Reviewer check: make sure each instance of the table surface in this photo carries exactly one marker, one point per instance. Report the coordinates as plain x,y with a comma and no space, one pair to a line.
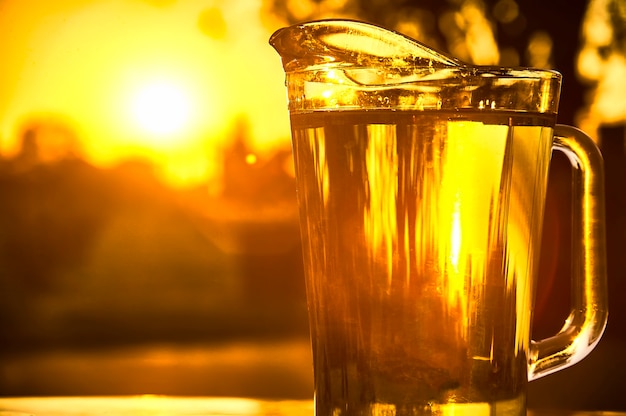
171,406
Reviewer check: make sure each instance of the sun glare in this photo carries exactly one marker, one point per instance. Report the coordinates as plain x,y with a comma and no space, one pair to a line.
161,108
167,96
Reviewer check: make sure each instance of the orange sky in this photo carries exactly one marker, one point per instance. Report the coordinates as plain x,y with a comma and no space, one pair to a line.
166,79
157,78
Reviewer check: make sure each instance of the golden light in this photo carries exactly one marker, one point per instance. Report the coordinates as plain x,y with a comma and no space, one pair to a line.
149,404
251,159
161,108
162,81
602,63
381,162
479,35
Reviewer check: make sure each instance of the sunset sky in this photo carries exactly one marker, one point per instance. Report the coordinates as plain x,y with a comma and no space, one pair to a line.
159,79
167,80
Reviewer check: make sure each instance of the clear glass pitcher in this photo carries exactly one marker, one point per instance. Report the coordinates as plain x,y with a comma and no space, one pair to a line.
421,185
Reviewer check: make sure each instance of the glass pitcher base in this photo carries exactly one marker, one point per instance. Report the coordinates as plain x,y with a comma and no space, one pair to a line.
512,407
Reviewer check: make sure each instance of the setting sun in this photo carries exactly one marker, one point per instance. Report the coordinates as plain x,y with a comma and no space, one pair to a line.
130,89
161,108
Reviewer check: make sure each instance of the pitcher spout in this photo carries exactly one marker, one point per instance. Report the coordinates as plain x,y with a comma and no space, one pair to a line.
353,43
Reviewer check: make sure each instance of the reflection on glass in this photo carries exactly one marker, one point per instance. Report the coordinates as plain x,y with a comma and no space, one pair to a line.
433,222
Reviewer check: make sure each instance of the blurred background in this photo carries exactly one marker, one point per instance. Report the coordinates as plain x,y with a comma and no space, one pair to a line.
149,241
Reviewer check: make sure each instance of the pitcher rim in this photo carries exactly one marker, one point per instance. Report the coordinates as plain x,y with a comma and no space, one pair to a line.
461,67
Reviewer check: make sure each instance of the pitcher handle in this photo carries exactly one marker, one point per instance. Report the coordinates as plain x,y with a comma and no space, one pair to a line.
589,303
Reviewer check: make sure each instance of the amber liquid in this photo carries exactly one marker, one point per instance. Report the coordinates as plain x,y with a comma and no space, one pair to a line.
421,234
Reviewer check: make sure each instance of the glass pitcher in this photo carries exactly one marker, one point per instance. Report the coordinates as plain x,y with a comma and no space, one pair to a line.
421,186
